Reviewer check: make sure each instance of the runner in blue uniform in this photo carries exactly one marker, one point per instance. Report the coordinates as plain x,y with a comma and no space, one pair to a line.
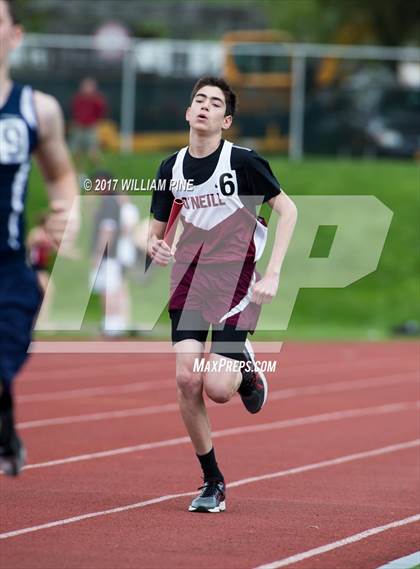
30,123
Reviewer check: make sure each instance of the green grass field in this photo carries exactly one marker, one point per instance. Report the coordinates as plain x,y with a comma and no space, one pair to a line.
368,308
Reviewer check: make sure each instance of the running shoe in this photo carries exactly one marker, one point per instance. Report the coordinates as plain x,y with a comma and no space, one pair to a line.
211,498
12,451
253,389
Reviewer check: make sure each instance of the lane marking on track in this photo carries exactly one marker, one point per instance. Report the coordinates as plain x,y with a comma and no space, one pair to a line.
139,386
106,415
95,391
305,468
57,374
287,393
121,347
262,427
337,544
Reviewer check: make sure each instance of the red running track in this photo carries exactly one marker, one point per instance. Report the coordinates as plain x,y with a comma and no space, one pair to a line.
333,454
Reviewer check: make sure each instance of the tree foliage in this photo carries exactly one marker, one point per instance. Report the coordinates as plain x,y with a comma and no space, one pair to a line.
383,22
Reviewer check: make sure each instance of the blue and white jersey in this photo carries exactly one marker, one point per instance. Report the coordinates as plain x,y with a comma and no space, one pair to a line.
18,139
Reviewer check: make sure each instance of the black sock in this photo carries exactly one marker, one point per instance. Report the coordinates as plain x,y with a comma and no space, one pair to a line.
209,466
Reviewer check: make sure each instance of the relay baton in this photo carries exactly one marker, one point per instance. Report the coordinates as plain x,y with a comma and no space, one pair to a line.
172,224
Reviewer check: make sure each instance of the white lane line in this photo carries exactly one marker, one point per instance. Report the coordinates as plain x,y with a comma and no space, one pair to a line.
332,462
407,562
106,415
288,423
82,517
338,367
152,385
349,385
287,393
337,544
59,372
305,468
95,391
122,347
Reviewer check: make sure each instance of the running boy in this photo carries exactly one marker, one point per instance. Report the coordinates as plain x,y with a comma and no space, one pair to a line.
213,281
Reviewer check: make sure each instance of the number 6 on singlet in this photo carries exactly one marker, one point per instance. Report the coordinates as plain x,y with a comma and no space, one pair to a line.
227,185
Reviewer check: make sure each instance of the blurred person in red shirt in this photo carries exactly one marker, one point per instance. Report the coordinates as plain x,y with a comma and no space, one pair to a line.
88,108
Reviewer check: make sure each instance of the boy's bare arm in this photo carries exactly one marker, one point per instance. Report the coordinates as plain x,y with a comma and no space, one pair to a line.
54,161
266,289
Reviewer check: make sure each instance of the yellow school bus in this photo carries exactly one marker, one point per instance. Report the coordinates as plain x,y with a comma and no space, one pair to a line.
260,71
263,83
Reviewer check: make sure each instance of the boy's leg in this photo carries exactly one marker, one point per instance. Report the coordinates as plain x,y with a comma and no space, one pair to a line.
235,370
221,384
194,414
226,353
190,395
12,451
189,338
19,301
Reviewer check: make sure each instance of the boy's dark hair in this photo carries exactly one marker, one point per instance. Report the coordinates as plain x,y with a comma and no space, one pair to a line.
223,85
13,7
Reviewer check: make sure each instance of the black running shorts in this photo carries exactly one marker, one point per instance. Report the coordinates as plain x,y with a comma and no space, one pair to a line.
226,340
